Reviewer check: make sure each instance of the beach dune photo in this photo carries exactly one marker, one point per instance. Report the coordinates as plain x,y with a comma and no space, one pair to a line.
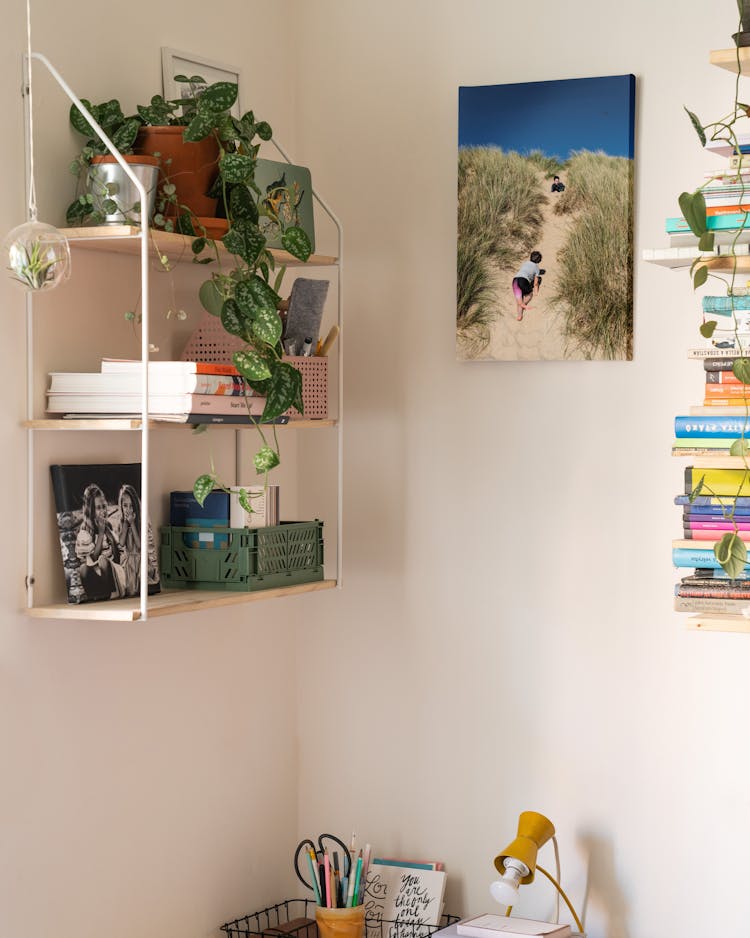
545,221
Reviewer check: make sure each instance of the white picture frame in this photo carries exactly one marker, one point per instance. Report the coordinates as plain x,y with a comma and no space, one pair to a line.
174,62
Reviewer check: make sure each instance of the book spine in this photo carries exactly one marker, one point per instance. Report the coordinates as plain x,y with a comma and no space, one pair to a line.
723,427
723,376
712,501
701,593
696,557
237,418
719,364
689,535
720,389
701,451
709,604
723,482
716,223
720,304
224,385
219,404
713,352
710,512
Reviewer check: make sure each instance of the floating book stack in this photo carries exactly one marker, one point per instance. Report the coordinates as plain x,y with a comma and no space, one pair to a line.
181,392
714,431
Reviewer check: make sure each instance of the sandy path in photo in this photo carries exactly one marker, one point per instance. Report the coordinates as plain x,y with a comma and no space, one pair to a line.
539,335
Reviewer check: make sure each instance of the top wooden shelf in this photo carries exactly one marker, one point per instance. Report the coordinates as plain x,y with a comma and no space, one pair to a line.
124,239
727,58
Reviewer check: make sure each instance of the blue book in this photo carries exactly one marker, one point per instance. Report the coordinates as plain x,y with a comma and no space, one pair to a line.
725,304
729,428
713,223
742,501
697,557
183,506
707,512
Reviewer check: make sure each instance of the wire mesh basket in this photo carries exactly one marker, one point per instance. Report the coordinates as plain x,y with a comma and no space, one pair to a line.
296,918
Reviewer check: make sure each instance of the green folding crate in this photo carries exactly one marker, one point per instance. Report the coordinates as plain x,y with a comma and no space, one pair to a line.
242,559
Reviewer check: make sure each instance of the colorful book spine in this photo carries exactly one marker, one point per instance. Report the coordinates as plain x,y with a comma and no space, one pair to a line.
723,376
736,220
712,365
697,557
718,427
724,304
712,501
708,604
707,512
726,482
722,389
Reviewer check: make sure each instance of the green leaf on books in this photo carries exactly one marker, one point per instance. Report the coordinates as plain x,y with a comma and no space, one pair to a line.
741,370
244,500
697,126
696,491
265,459
706,242
699,278
250,365
285,390
707,328
731,554
693,208
267,326
739,447
202,487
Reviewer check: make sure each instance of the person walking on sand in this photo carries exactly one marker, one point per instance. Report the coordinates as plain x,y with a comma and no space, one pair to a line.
557,186
526,283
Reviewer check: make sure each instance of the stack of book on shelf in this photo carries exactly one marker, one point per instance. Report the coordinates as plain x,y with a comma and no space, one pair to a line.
722,503
727,195
180,392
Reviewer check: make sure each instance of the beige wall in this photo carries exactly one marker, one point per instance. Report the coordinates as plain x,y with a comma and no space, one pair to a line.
505,638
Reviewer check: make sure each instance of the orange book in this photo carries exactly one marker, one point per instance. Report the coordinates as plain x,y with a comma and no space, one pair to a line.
730,389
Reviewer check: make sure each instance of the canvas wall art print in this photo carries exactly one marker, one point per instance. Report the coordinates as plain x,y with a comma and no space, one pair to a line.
545,220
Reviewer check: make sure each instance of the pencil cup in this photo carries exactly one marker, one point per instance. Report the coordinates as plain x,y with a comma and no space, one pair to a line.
340,923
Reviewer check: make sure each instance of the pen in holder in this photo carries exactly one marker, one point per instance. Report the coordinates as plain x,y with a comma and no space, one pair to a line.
340,923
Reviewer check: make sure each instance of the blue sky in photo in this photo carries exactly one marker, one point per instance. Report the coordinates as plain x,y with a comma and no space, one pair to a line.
555,117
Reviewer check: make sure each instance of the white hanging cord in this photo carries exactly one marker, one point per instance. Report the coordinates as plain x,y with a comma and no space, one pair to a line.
32,187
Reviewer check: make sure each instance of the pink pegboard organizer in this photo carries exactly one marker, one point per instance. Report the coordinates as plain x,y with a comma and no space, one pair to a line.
212,343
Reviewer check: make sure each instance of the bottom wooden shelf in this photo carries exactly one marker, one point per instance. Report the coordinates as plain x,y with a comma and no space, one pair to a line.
168,603
719,623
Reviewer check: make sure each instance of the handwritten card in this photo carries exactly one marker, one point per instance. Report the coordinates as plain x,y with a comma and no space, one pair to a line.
398,894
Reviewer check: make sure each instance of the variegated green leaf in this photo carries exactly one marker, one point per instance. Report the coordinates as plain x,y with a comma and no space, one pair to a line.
296,241
245,297
231,318
739,447
267,326
235,168
244,500
78,121
242,204
218,97
265,459
250,365
263,130
198,128
202,487
124,137
284,392
697,126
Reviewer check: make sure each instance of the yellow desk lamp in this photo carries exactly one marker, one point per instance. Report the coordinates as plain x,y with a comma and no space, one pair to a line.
517,862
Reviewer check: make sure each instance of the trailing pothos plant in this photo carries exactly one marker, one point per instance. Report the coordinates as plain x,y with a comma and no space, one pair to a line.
731,550
246,297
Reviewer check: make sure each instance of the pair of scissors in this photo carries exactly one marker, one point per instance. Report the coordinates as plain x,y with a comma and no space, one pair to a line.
309,847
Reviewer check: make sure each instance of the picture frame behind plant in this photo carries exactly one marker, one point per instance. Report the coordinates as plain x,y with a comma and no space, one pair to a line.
174,62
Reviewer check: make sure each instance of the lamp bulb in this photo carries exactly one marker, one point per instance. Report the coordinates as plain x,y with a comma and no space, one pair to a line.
505,889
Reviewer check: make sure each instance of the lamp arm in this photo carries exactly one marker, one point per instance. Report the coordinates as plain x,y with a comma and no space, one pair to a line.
558,887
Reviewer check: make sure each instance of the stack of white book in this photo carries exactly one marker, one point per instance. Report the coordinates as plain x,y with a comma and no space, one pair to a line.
184,392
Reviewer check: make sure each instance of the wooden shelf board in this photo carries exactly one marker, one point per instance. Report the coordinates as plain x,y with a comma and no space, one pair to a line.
718,264
127,423
124,239
718,623
168,603
727,58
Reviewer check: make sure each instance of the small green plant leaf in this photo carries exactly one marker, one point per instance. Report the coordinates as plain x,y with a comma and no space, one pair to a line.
731,553
263,130
262,293
245,239
696,491
284,392
693,208
218,97
124,137
741,370
200,428
250,365
698,127
197,246
244,499
296,241
211,298
78,121
700,277
707,328
198,128
706,241
236,168
242,205
739,447
245,297
202,487
267,326
231,318
265,459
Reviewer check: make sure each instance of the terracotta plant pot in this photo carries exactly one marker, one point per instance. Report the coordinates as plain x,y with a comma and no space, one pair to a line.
106,172
192,168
